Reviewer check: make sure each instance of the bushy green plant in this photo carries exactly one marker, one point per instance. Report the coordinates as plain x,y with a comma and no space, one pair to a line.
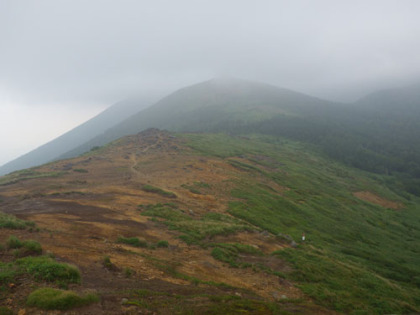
229,252
128,272
80,170
13,242
7,272
54,299
8,221
46,268
162,243
5,311
106,261
133,241
159,191
29,247
194,230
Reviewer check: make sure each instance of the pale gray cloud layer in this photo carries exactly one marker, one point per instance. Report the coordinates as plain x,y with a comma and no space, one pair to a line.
91,52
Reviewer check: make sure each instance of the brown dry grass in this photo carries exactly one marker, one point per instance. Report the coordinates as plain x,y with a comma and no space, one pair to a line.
371,197
81,215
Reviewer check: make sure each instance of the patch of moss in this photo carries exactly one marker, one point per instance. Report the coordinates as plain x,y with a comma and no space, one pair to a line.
159,191
133,241
54,299
8,221
46,268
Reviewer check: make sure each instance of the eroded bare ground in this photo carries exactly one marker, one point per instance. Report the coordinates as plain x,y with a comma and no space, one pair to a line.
377,200
82,213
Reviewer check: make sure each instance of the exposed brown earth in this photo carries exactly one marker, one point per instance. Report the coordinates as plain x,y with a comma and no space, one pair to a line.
82,212
371,197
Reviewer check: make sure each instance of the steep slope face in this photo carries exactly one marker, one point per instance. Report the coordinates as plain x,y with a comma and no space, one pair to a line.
77,136
230,210
210,106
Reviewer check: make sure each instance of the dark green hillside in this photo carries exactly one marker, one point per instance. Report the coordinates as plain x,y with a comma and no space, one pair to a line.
379,134
359,257
210,106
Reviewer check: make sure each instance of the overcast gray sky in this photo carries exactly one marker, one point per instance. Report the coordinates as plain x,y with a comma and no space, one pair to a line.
63,61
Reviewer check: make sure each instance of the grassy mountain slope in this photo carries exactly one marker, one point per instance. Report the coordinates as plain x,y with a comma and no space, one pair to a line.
209,223
379,133
211,105
77,136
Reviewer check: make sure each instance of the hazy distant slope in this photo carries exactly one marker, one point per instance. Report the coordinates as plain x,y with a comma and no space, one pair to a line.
398,103
77,136
207,105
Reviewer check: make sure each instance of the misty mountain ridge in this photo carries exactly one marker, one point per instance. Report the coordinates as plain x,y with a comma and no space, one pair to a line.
77,136
401,102
207,105
378,133
223,207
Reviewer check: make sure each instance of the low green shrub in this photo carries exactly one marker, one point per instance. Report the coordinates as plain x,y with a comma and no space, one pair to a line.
194,230
107,263
54,299
159,191
5,311
46,268
7,273
13,242
8,221
32,247
229,253
162,243
128,272
28,248
80,170
133,241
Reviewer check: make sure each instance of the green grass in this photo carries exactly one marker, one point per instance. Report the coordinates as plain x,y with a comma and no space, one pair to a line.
356,254
162,244
229,253
13,242
107,263
157,301
7,273
194,231
159,191
54,299
244,166
47,269
347,287
28,174
196,187
133,241
8,221
191,189
5,311
80,170
23,248
128,272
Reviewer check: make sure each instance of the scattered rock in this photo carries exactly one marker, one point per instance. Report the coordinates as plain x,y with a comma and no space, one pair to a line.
276,295
293,244
265,233
124,301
